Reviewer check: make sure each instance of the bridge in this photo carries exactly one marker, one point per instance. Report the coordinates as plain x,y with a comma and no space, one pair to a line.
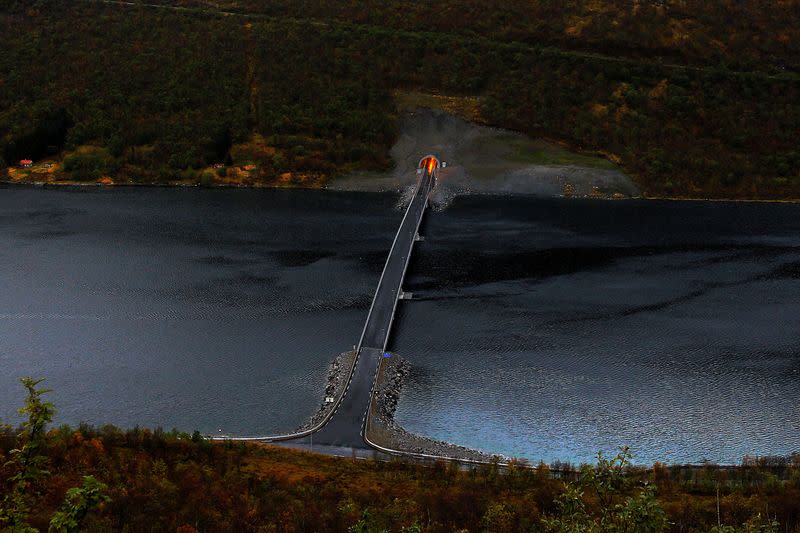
343,430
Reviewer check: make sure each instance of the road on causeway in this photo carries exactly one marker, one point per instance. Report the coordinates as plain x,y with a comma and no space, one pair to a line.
345,428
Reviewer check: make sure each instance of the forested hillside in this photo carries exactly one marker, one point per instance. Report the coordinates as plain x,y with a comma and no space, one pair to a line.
760,35
692,99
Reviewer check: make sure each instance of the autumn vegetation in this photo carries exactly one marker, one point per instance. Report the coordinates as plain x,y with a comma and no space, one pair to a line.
692,98
107,479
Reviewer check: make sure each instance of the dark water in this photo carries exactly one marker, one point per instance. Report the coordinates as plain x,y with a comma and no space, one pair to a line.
546,329
194,309
551,330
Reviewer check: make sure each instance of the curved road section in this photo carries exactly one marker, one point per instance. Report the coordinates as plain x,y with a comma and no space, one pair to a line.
343,432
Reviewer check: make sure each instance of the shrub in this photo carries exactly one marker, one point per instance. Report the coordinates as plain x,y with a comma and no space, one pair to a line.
89,163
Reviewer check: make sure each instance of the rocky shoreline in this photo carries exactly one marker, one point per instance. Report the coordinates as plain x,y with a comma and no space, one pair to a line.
335,382
384,431
382,428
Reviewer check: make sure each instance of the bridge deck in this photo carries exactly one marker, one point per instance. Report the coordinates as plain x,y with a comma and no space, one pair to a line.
345,428
381,314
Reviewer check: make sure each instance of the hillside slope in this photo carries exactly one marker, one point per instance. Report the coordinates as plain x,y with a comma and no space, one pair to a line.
692,100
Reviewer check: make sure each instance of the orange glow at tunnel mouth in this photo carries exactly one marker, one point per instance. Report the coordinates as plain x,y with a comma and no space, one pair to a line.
429,164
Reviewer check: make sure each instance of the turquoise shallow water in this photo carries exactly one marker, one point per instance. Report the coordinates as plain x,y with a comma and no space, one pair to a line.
546,329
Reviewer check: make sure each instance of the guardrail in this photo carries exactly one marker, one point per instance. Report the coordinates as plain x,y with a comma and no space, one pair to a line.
416,455
326,419
305,432
386,265
408,257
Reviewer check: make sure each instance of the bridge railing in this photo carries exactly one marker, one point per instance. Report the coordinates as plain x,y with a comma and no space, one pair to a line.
340,396
305,432
423,183
385,265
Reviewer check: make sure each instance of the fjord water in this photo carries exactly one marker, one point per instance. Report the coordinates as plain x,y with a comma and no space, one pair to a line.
554,329
195,309
541,328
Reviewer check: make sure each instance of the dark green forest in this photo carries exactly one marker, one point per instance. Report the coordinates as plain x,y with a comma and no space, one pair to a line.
692,100
756,35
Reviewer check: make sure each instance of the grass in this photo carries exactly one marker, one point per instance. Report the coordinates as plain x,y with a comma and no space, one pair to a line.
523,150
514,148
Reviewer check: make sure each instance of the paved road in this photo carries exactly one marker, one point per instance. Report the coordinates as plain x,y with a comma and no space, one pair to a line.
345,428
379,320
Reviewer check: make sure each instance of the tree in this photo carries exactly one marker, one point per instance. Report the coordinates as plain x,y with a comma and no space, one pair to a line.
29,462
27,459
754,525
607,480
78,502
497,518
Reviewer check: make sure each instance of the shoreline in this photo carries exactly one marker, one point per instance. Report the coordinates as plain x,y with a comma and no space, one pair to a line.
644,197
384,432
335,379
484,159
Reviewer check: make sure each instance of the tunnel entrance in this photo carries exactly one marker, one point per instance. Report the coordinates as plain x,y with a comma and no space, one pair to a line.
430,163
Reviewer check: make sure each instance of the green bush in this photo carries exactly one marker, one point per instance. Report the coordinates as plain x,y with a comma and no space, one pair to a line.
89,163
207,178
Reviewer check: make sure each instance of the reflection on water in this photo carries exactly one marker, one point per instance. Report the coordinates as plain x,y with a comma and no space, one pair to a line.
544,328
573,327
